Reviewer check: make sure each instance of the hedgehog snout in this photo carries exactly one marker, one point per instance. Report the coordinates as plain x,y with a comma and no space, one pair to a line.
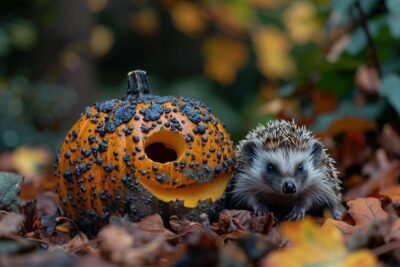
289,187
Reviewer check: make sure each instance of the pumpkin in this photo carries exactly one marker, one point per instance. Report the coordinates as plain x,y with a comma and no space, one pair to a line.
144,154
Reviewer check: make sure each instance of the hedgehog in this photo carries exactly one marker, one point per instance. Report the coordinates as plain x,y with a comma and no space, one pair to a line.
283,168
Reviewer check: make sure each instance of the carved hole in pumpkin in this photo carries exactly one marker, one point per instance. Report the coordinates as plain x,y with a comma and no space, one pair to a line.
165,146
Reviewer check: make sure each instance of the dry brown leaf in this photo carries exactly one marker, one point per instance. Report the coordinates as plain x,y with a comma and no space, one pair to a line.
243,220
114,241
392,192
385,178
354,150
149,228
323,101
364,212
80,245
10,223
120,246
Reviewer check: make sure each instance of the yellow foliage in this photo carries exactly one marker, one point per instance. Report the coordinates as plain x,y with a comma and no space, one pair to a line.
272,48
317,246
101,40
224,57
29,161
188,17
301,22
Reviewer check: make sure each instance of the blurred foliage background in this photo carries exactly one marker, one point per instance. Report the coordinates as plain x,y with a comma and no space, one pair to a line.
331,65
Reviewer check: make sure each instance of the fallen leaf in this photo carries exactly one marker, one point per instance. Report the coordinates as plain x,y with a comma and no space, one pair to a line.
323,101
10,223
354,150
243,220
119,245
364,212
200,250
31,222
384,178
316,246
392,192
149,228
80,245
184,227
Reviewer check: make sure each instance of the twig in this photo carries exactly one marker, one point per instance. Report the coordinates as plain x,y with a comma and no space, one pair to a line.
371,44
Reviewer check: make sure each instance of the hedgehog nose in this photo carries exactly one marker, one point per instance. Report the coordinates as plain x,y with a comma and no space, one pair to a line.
289,188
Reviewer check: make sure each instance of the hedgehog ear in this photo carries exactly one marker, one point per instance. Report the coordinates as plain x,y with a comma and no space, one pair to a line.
316,152
249,149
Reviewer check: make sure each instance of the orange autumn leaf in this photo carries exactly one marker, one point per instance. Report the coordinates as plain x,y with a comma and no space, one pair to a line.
393,192
316,246
272,48
364,212
224,58
324,101
350,124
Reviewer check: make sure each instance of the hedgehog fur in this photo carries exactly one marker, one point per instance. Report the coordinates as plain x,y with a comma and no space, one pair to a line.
282,167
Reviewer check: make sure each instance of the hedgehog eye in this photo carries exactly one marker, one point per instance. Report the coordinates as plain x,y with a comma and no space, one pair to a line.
270,167
300,167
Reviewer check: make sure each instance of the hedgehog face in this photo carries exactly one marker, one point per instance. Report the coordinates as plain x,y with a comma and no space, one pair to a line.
282,170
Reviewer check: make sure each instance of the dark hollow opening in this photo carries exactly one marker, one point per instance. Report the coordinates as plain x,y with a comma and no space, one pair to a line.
158,152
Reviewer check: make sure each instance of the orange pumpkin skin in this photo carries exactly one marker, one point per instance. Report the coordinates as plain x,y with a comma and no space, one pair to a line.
141,155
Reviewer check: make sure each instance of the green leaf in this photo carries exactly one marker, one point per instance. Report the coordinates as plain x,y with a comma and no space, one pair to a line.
393,6
22,34
393,22
342,6
359,39
391,90
4,43
10,187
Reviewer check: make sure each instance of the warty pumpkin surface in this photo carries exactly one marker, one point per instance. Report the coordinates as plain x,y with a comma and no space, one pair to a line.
144,154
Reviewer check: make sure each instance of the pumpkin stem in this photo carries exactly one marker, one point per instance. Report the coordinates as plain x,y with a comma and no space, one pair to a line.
138,83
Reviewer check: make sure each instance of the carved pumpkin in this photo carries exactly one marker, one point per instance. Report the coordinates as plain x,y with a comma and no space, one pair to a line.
143,154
